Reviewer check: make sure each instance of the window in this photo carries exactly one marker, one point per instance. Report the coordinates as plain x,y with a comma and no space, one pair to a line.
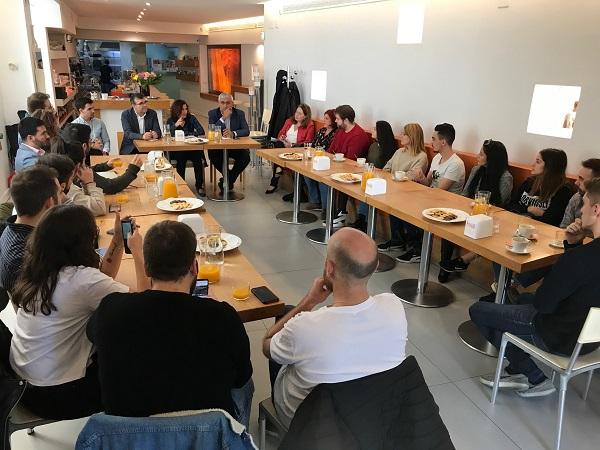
553,110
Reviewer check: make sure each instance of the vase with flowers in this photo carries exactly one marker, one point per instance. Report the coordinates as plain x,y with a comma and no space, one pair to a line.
145,80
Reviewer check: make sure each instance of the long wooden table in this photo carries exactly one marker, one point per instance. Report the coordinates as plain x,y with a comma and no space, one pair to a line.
235,269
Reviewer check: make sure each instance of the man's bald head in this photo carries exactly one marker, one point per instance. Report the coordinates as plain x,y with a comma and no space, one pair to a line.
353,253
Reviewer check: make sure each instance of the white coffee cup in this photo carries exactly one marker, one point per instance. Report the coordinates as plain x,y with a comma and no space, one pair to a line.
361,161
399,175
526,230
339,156
520,244
104,96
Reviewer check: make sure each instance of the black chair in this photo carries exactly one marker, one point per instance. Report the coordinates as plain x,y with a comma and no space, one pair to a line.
21,113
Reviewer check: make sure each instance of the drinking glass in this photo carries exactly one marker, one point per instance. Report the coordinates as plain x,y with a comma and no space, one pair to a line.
217,133
559,236
117,162
211,245
482,202
151,179
367,174
241,291
319,150
121,198
169,188
208,271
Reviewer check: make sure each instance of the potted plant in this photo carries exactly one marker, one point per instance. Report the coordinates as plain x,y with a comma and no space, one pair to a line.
145,79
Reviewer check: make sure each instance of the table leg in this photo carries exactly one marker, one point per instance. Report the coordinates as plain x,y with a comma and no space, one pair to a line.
423,292
386,262
468,331
296,217
226,196
321,235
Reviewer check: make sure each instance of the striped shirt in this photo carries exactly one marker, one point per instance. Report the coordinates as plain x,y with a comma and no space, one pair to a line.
12,249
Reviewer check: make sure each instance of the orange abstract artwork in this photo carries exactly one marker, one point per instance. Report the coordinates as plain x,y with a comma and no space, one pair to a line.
224,67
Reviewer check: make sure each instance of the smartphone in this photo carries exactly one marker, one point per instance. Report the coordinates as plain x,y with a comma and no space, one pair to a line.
126,229
201,289
264,294
101,251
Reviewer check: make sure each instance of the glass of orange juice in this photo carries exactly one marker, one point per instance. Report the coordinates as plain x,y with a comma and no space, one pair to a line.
241,291
482,202
211,272
367,174
121,198
117,162
169,189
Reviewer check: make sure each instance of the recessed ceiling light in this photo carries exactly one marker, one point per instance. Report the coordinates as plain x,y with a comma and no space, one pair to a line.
145,9
148,4
142,13
138,19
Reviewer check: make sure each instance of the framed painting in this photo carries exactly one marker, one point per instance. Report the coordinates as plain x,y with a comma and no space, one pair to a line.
224,67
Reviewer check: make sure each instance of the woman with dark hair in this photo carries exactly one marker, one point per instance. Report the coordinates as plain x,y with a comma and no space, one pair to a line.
490,174
61,284
182,119
296,131
384,146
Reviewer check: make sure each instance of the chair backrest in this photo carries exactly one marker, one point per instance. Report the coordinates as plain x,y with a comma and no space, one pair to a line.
119,139
591,328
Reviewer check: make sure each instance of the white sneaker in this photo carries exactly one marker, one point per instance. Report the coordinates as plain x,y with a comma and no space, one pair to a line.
337,221
546,387
518,381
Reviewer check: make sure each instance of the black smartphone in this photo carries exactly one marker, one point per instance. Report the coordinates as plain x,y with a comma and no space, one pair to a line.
264,294
201,289
126,229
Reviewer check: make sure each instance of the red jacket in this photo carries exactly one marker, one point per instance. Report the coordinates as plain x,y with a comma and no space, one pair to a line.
354,144
305,134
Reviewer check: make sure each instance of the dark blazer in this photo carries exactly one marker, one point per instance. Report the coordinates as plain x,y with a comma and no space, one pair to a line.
131,128
237,121
391,409
191,127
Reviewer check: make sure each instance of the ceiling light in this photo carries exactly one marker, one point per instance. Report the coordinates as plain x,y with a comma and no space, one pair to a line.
138,19
247,22
148,4
145,9
142,13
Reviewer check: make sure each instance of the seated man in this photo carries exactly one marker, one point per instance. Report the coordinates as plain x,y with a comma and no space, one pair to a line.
33,191
139,122
179,352
99,140
33,137
358,335
233,125
551,318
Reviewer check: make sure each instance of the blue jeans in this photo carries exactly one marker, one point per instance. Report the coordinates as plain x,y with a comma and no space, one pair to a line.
493,319
412,235
242,402
314,194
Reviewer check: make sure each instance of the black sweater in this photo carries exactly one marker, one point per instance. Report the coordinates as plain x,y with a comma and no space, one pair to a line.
163,351
554,208
566,296
113,185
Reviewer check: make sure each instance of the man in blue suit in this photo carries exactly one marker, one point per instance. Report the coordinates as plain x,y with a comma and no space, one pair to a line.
139,122
33,137
233,125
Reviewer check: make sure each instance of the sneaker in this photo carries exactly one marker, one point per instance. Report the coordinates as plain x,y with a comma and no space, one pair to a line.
390,245
443,276
507,381
312,207
337,221
460,265
409,257
542,389
201,192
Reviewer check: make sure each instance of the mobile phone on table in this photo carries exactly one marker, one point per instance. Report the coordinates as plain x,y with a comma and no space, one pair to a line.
126,229
264,294
201,288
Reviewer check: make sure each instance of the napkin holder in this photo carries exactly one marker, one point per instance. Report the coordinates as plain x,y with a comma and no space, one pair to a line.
479,226
321,163
194,221
376,186
179,136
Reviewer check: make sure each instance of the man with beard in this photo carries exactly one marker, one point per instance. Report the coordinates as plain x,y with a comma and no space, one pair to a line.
358,335
178,352
33,137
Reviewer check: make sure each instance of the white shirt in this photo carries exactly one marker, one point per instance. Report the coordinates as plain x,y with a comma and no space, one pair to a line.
292,134
54,349
336,344
452,169
141,123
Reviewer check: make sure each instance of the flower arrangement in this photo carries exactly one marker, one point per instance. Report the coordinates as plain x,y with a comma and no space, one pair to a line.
146,79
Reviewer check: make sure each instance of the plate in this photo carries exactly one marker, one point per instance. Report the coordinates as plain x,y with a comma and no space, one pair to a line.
557,244
510,249
111,174
431,214
338,160
291,156
166,205
167,166
344,177
195,140
232,242
400,179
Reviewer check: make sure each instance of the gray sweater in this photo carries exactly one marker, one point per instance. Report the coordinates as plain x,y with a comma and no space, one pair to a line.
506,185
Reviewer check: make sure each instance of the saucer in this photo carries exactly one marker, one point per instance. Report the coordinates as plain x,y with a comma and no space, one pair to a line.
556,244
510,249
338,160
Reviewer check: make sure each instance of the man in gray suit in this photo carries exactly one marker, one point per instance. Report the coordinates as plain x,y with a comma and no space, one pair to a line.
139,122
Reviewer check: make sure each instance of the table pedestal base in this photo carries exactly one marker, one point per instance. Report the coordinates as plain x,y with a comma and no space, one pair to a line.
317,235
303,217
386,262
434,295
230,197
472,338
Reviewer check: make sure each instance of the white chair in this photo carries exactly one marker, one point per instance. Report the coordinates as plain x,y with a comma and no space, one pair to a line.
565,367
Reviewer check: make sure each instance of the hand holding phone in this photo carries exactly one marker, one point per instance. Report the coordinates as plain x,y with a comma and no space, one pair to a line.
126,229
201,288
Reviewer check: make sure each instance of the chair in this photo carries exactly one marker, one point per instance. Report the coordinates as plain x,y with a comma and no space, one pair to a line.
565,367
119,141
266,413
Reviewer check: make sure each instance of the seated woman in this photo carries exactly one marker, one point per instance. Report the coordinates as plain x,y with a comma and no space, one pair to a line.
490,174
296,131
182,119
323,138
61,284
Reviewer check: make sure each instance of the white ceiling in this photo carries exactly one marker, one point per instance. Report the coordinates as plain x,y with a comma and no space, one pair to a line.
185,11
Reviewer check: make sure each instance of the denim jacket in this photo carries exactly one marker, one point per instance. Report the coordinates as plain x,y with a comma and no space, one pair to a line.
212,429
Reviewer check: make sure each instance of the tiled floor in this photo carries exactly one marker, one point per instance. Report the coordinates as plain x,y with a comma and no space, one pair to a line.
289,262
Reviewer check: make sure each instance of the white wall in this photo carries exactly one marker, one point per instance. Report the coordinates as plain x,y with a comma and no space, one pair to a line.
475,69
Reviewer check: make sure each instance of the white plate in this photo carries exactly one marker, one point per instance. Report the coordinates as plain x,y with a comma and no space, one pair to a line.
195,140
524,252
165,205
232,240
338,177
291,158
461,216
557,244
111,174
167,166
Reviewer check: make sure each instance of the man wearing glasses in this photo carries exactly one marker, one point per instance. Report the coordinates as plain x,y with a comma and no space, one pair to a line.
139,122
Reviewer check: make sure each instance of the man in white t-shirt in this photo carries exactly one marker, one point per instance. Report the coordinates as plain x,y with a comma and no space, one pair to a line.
358,335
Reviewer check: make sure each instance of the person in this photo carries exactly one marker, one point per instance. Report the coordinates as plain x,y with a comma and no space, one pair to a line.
34,191
353,142
219,362
50,119
233,125
37,100
106,83
447,172
296,131
182,119
99,141
358,335
323,138
33,138
490,174
138,122
61,284
552,318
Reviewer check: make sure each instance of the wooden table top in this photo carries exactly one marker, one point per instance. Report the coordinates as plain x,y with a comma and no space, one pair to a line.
229,144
